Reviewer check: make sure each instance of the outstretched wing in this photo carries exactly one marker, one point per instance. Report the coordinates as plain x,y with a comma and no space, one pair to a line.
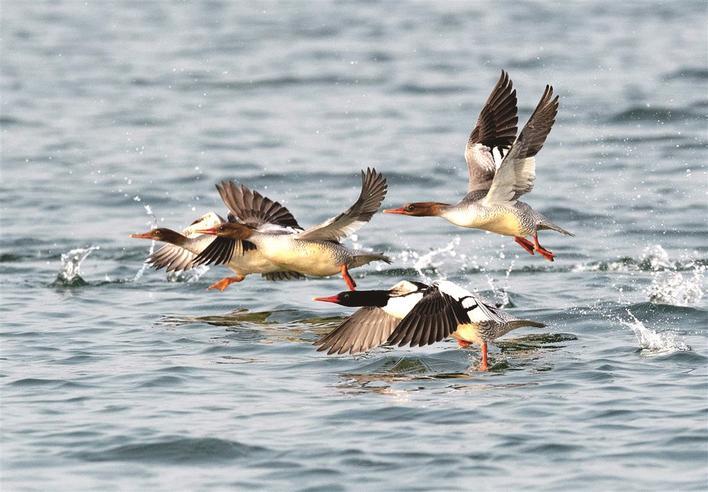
253,209
517,172
373,191
367,328
496,129
434,318
171,258
222,250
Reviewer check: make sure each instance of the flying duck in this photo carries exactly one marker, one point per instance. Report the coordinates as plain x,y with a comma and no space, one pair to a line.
316,251
502,167
417,314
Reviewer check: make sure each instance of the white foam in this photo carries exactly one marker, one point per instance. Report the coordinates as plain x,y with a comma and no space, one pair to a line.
652,342
70,271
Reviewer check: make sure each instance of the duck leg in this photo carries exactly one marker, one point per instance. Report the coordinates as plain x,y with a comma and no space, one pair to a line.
524,243
541,250
347,278
483,366
225,282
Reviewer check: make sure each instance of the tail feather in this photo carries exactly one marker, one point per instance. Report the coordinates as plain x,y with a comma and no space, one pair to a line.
360,259
520,323
553,227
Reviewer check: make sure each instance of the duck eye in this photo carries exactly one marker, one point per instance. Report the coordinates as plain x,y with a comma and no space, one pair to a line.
410,208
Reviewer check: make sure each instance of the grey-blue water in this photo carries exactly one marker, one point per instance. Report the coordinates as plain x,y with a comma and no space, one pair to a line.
116,115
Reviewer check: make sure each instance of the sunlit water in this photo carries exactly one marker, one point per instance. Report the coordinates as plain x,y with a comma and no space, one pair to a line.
119,116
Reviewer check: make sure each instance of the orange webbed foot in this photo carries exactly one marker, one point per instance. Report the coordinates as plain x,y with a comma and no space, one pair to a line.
222,284
541,250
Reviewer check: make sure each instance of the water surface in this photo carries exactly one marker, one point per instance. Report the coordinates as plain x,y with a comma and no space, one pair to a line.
118,116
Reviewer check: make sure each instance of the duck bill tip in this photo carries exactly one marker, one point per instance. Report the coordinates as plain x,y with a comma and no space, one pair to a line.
144,235
397,211
211,231
333,299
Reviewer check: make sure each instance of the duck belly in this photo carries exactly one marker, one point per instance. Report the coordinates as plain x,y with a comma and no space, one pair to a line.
253,262
313,258
469,333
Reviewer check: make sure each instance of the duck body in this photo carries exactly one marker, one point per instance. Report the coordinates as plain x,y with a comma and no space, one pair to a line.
310,257
507,219
416,314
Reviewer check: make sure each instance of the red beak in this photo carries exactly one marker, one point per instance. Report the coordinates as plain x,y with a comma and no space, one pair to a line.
399,211
334,299
144,235
211,231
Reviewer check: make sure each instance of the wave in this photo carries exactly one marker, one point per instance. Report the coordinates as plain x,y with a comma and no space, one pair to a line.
654,114
177,450
690,73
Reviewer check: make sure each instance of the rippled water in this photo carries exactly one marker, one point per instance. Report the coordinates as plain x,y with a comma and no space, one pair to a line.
120,115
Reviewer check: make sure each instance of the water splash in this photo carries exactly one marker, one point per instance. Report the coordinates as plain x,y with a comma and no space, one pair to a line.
152,223
676,288
427,264
70,272
191,275
501,296
670,286
652,342
675,282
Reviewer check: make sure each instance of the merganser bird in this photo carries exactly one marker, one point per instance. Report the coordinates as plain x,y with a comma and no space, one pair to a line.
494,188
417,314
316,251
181,249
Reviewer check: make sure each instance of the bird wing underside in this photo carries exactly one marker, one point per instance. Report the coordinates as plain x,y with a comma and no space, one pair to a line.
171,258
373,192
367,328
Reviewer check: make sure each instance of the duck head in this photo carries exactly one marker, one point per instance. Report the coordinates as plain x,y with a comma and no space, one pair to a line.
232,230
161,234
357,298
419,209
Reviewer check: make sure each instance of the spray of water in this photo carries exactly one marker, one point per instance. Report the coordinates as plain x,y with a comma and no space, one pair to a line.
652,342
152,223
70,272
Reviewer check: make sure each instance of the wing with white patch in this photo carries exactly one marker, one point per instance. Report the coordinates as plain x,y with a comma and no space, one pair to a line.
517,172
474,305
434,318
495,131
373,191
367,328
206,221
